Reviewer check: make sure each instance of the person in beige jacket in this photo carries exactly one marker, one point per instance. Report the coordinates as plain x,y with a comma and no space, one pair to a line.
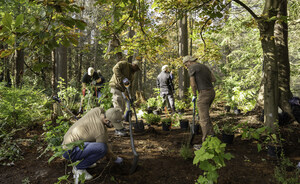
91,129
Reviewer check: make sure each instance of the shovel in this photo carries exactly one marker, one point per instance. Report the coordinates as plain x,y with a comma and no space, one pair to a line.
136,156
192,129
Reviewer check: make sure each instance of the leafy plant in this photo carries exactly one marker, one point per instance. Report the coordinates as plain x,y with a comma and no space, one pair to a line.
21,107
211,157
151,102
151,119
283,176
186,152
67,94
167,120
9,151
180,104
228,128
105,99
176,117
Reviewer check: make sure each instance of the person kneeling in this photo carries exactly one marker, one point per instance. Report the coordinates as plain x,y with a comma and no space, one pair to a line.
92,129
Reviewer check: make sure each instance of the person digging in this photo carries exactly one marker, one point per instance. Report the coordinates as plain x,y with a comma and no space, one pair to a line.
123,72
201,80
92,129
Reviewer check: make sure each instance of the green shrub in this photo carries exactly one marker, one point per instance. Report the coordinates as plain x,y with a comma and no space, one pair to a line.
211,157
21,107
106,98
151,119
186,152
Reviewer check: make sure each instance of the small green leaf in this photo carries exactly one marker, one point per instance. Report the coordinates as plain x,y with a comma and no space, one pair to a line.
19,20
7,20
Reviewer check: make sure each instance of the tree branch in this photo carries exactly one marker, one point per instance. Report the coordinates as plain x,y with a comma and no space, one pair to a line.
247,8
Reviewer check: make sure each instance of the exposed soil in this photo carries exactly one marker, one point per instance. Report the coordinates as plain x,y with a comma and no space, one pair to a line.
159,158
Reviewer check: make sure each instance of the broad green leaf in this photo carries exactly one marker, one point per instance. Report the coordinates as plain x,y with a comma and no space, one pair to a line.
19,20
7,20
80,24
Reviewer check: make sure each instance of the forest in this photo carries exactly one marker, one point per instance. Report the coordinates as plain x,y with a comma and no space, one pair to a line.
251,47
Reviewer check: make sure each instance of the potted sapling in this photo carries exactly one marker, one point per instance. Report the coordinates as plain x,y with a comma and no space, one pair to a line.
151,119
227,133
166,123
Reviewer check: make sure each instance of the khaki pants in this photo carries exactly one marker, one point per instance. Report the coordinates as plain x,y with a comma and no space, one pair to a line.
118,99
205,99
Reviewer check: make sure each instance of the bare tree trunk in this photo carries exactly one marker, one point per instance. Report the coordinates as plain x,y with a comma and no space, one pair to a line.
19,68
70,72
270,73
281,43
53,85
183,51
61,65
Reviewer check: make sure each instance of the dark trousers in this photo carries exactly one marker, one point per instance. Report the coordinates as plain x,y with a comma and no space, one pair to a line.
91,153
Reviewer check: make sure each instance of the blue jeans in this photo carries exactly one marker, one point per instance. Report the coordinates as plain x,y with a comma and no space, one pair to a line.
91,153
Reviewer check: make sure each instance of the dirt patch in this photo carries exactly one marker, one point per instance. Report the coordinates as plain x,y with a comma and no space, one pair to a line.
159,158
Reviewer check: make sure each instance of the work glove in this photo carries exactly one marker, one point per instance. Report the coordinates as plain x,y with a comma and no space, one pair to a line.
83,91
194,98
119,160
126,82
94,83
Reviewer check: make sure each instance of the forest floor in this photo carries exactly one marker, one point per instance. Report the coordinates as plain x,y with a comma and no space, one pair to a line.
159,157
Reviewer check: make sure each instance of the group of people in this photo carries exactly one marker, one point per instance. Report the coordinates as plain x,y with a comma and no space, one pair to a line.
92,127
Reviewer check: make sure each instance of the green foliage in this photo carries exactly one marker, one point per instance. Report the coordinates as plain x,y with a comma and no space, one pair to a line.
228,128
106,98
167,120
151,119
283,176
38,27
67,95
186,152
54,132
211,157
176,117
21,107
180,104
9,151
151,102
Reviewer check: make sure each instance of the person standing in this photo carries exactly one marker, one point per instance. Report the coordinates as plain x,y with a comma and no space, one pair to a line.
165,84
201,80
99,85
92,129
123,73
89,78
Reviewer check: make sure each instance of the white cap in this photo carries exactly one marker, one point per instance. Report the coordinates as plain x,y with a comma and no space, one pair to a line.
164,68
91,71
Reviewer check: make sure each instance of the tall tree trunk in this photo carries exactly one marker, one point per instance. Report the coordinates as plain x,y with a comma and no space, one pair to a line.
266,27
19,68
183,51
61,65
70,72
281,43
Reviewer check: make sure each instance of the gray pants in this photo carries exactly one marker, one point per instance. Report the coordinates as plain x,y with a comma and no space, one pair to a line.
118,99
168,99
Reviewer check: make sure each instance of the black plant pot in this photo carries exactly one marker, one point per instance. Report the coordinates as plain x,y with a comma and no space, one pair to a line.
274,151
228,139
227,108
166,126
149,111
157,112
184,124
196,129
138,126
